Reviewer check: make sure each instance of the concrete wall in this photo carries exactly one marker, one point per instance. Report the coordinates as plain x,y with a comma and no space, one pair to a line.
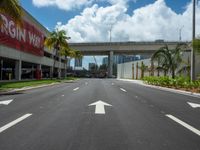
129,70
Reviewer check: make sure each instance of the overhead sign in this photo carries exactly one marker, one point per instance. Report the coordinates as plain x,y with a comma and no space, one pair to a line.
26,38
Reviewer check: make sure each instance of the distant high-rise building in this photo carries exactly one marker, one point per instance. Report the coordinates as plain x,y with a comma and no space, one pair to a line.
91,66
128,58
68,63
78,62
105,60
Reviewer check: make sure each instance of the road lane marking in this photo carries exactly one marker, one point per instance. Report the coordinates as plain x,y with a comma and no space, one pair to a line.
6,102
194,105
76,89
86,83
123,90
62,95
112,83
14,122
99,107
189,127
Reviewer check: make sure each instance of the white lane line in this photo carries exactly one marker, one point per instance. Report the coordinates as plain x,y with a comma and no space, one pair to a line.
123,90
76,89
112,83
14,122
189,127
86,83
62,95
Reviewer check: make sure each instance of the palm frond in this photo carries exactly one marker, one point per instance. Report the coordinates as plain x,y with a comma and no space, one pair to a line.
13,9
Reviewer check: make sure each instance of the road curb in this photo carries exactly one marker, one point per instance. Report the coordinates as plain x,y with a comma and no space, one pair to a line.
140,82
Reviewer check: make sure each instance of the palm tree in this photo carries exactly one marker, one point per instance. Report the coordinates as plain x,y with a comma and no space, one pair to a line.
169,59
57,40
69,52
143,68
162,67
13,9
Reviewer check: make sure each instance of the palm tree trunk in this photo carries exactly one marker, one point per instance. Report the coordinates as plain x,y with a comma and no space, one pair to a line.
137,71
66,61
53,69
152,68
133,71
165,72
142,70
54,64
173,73
158,72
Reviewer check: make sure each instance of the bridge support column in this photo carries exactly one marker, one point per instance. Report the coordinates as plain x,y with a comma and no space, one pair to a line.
110,60
18,69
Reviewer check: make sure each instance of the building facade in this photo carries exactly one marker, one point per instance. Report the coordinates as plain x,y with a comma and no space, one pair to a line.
22,51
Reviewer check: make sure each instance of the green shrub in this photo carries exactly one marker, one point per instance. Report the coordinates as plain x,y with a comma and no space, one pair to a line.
178,82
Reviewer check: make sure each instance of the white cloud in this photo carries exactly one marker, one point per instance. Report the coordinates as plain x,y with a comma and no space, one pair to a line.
151,22
74,4
62,4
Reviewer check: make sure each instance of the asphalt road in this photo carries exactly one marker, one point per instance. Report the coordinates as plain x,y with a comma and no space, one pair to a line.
59,118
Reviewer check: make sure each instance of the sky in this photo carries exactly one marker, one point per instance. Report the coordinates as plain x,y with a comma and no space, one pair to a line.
128,20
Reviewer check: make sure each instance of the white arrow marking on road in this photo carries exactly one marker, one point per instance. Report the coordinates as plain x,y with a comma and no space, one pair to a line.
194,105
6,102
99,109
76,89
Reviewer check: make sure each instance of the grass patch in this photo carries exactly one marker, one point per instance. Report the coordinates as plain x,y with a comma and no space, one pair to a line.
20,84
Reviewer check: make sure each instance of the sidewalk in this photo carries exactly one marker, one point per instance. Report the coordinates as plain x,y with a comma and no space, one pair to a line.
140,82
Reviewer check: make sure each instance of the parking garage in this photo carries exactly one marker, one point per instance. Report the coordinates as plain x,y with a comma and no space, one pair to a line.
22,52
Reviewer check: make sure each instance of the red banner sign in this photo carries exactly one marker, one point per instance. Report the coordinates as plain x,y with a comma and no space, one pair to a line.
26,38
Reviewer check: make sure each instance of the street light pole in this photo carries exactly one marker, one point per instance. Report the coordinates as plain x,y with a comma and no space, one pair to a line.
111,33
180,33
110,54
193,38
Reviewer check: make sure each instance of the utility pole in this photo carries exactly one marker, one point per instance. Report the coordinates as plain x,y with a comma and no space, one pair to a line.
193,38
180,33
111,32
110,58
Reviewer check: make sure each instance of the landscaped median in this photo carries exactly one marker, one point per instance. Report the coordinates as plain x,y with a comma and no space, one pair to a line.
180,83
8,86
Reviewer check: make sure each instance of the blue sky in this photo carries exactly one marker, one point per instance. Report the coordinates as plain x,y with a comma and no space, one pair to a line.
50,15
131,20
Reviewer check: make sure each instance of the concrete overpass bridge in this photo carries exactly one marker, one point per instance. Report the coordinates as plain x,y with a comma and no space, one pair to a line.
117,48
